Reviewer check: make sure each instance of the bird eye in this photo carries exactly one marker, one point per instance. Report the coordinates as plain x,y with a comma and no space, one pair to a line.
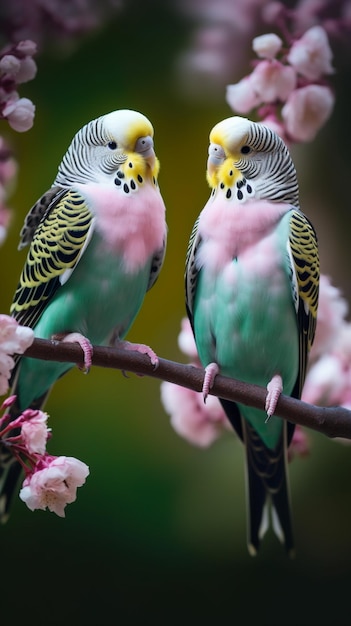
245,150
112,145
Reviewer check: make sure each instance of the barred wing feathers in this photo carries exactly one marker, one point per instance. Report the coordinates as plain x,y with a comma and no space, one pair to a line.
304,259
55,249
191,271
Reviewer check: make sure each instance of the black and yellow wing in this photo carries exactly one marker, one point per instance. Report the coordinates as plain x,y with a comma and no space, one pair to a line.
57,237
304,265
191,271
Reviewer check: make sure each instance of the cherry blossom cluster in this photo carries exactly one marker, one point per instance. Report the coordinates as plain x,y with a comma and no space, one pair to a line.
50,482
328,380
287,86
17,66
218,45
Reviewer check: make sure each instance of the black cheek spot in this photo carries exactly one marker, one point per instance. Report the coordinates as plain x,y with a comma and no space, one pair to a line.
249,188
125,188
222,185
239,184
240,194
130,164
117,182
120,174
132,184
140,178
228,194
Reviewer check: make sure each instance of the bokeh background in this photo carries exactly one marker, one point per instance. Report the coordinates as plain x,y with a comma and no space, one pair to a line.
157,535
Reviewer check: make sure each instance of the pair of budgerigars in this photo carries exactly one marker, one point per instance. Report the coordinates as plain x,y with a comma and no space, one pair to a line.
97,242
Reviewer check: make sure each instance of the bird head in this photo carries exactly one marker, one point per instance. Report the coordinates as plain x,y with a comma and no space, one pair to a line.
244,150
103,145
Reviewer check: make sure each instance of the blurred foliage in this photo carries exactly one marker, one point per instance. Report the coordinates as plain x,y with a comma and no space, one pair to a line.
157,535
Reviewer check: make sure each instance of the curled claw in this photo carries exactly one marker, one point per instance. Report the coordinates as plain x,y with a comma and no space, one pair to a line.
211,372
274,390
84,344
142,349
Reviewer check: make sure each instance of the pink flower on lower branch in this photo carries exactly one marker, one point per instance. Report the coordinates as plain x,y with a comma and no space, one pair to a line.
300,445
34,431
199,423
53,483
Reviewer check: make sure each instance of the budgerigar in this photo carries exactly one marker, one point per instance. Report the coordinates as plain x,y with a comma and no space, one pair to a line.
252,278
97,242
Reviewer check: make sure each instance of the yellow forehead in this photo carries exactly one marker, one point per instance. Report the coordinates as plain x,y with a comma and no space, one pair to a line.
126,126
230,133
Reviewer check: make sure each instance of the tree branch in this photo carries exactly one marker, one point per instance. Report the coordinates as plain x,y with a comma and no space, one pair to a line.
331,421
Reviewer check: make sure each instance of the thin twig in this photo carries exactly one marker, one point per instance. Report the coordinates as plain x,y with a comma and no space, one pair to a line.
331,421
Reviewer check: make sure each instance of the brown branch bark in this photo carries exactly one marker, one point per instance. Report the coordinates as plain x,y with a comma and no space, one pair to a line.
331,421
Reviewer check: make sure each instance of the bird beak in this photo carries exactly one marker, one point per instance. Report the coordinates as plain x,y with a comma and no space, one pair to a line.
216,156
145,147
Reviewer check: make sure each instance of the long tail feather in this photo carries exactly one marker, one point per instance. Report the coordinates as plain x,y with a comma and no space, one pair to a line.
267,485
266,482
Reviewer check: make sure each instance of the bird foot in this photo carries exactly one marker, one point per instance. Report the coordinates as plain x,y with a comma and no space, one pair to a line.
84,344
274,390
142,349
211,372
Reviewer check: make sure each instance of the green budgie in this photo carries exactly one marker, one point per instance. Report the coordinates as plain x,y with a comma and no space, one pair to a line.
97,242
252,281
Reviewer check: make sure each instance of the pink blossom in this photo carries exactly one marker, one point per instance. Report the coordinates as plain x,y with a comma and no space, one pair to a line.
311,55
54,484
299,445
199,423
273,81
10,65
27,47
186,341
14,339
35,431
6,366
325,381
19,113
27,70
267,46
328,380
242,96
332,311
307,110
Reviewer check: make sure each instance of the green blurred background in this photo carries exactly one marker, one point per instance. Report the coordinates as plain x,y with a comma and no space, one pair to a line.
157,535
